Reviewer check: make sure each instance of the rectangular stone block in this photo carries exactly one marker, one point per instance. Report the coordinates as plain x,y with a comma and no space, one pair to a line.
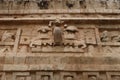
21,76
91,76
44,75
113,75
68,76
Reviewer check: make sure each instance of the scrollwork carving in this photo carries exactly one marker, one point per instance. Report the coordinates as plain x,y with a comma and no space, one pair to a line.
7,36
105,37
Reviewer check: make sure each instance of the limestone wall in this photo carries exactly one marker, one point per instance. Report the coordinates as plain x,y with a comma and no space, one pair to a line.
59,39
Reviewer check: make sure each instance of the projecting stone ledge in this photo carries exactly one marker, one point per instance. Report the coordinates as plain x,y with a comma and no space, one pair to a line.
71,62
62,58
60,67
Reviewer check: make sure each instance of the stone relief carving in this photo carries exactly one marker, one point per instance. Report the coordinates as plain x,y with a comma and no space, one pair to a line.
113,75
43,4
105,36
110,36
92,78
21,76
110,40
104,3
9,39
42,38
61,75
57,31
71,39
115,38
61,4
116,77
58,34
69,78
71,32
44,76
70,3
7,36
82,3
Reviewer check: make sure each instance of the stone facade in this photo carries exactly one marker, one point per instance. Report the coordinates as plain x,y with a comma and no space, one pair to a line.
59,39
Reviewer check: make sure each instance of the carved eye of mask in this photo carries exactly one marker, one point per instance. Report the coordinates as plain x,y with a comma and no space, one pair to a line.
44,29
71,29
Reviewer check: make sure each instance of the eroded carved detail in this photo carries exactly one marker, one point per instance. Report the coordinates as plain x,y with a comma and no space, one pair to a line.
43,37
105,37
9,39
104,3
116,77
110,36
82,3
21,76
48,4
43,4
70,3
58,34
7,36
71,38
44,76
61,75
92,78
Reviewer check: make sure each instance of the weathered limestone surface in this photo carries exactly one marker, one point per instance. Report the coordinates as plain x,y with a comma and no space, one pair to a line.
60,39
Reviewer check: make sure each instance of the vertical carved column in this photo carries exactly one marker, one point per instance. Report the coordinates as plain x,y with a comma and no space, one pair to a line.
17,40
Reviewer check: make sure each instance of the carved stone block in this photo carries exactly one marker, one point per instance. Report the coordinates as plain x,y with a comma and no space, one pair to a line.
68,76
44,76
9,38
21,76
91,75
90,36
113,75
